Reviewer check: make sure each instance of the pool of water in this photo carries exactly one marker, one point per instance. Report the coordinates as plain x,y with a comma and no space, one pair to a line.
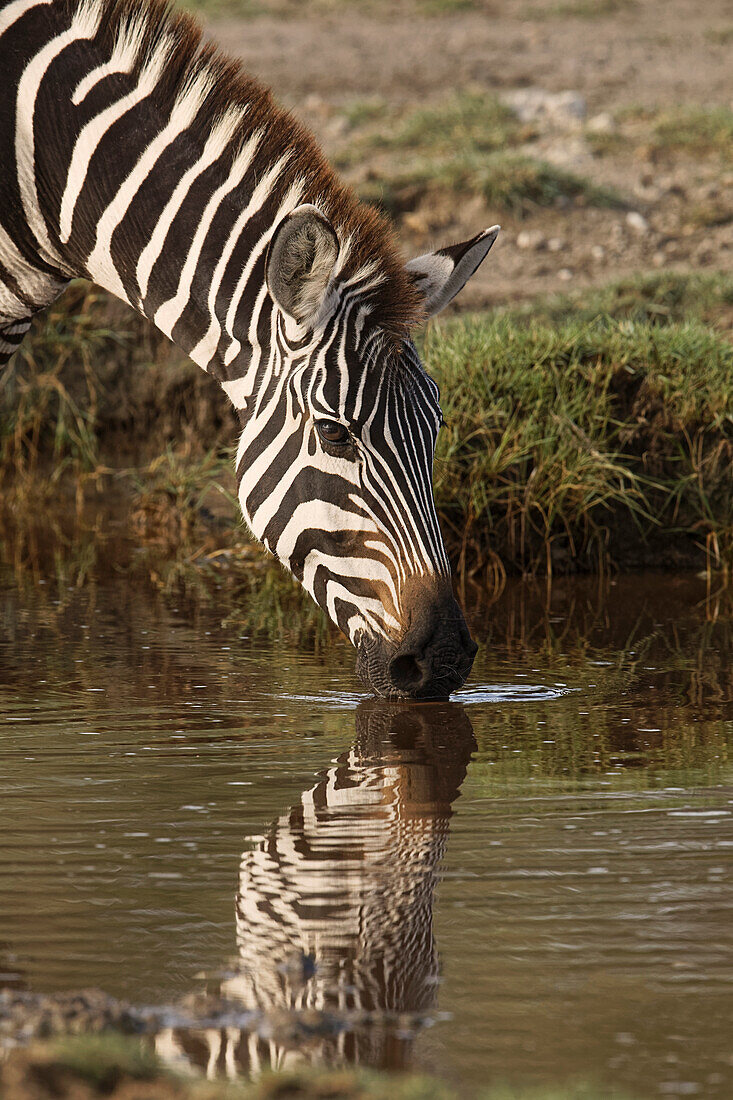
532,884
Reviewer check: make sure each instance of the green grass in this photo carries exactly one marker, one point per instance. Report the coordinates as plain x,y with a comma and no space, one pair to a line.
688,128
42,409
605,144
583,9
520,184
697,130
472,121
466,145
104,1061
267,602
506,181
719,36
468,123
171,492
657,298
708,215
90,384
588,432
361,112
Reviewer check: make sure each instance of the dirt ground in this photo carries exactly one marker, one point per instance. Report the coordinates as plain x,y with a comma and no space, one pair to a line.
616,55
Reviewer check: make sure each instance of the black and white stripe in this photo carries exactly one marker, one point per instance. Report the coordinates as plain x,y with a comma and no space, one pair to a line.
138,157
334,908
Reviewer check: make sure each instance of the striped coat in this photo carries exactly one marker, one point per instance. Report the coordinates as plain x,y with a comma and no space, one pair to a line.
137,156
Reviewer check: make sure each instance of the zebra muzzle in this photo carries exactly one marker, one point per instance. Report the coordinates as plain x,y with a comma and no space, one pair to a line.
434,654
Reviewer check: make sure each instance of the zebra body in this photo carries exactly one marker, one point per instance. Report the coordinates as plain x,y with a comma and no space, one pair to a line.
138,157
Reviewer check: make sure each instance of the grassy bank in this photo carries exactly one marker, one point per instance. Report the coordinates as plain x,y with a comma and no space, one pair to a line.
95,386
584,441
122,1069
582,432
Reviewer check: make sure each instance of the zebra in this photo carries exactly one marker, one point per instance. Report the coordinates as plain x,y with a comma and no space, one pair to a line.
138,156
334,905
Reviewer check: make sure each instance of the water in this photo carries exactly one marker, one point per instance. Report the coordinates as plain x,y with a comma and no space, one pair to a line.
541,869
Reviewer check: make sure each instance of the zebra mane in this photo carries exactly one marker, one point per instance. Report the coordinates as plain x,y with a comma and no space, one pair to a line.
223,98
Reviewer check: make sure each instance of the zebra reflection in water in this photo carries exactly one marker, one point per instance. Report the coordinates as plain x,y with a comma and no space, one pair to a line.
334,907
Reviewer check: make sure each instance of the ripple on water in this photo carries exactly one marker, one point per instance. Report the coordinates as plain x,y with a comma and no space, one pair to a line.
474,693
510,693
328,700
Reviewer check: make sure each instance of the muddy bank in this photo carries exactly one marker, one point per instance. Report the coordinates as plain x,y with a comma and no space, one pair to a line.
87,1044
120,1063
66,1073
26,1017
83,1071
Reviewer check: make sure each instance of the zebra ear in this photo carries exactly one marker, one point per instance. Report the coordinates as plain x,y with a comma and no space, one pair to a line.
440,275
300,262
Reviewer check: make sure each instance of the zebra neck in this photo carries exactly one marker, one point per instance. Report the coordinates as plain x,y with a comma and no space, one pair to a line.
181,234
187,249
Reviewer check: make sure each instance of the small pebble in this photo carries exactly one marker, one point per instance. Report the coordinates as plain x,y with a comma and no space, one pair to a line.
531,104
531,238
602,123
637,221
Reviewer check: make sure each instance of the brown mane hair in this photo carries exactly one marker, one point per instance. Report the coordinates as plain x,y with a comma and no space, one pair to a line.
395,302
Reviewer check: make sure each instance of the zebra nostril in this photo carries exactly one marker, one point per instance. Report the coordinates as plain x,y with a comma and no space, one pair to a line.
406,672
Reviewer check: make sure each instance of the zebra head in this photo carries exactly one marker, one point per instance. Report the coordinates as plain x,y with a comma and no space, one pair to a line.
336,453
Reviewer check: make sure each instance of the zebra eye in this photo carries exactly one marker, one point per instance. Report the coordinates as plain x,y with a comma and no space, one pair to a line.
332,432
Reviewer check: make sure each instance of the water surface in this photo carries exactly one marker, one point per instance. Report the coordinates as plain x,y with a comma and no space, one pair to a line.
540,869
